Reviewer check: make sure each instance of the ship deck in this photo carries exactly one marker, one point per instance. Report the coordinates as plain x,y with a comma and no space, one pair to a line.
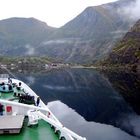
42,131
11,124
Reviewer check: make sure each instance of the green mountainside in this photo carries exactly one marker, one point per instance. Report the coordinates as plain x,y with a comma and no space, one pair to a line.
20,36
127,51
91,35
85,39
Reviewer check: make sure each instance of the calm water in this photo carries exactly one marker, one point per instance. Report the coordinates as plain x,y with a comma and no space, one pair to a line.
95,105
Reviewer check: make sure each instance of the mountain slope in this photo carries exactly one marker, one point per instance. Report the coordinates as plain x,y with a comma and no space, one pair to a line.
85,39
127,51
17,35
89,36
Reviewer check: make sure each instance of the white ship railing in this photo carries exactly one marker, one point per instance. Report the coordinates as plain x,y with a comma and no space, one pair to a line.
32,93
19,108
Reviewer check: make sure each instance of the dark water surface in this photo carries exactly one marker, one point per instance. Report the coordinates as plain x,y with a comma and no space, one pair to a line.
97,106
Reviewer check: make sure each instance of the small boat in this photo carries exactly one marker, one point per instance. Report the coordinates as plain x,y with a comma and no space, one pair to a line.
24,116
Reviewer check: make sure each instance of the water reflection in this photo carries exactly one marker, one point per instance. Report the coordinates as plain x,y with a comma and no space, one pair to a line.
128,85
89,93
91,130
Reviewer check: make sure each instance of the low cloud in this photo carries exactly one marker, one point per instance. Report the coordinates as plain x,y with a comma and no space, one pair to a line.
136,10
59,41
62,41
131,11
29,50
118,33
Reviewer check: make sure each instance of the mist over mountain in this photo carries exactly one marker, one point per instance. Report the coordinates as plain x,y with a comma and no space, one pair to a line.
88,37
92,34
131,11
21,36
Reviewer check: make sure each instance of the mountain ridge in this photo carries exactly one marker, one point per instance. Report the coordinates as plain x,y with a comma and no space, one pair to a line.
85,39
91,35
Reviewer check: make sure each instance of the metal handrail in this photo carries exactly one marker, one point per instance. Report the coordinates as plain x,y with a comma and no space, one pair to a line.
65,131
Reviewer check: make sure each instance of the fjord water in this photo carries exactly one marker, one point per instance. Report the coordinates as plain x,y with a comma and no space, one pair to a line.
93,104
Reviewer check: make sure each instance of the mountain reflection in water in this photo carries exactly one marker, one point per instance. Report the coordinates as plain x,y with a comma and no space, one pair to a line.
90,94
91,130
128,85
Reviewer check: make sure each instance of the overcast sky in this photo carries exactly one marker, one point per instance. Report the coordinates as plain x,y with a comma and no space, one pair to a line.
54,12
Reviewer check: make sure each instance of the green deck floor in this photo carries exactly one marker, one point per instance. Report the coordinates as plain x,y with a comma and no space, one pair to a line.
42,132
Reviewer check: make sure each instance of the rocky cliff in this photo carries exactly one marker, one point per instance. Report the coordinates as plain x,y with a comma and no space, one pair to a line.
127,51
